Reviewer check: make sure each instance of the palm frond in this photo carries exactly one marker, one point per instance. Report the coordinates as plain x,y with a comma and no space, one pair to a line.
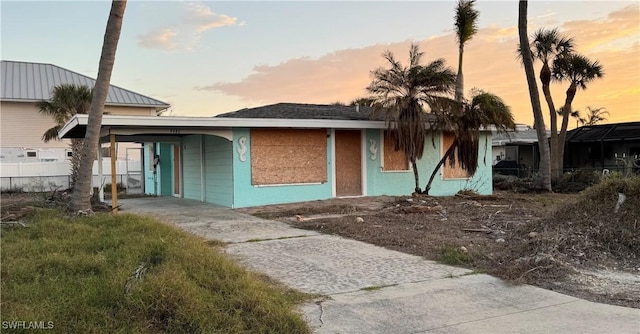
577,69
465,19
66,101
51,134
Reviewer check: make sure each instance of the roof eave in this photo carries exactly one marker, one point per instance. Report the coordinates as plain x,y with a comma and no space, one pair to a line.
157,107
212,122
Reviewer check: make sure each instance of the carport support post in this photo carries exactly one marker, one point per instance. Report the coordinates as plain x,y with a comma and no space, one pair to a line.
100,174
114,182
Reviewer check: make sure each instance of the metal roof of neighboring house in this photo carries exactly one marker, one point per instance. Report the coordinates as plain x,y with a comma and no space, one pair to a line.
304,111
30,82
605,132
525,135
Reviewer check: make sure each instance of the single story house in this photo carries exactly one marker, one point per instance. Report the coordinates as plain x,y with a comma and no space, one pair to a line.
283,153
615,147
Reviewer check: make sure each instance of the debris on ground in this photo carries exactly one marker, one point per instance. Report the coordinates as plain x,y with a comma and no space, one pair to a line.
572,243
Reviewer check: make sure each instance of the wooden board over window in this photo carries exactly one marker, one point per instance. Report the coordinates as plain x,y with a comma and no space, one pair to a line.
393,160
285,156
449,172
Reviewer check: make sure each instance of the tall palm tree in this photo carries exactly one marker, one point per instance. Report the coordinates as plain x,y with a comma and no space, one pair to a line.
466,120
579,71
466,26
527,60
547,45
80,199
66,100
402,93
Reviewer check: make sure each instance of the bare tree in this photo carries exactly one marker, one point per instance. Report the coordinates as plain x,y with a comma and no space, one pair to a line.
80,199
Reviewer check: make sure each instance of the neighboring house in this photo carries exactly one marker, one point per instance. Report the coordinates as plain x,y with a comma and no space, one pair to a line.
615,147
283,153
519,146
23,84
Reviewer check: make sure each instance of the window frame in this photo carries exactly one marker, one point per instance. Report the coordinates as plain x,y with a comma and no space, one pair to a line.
443,150
383,135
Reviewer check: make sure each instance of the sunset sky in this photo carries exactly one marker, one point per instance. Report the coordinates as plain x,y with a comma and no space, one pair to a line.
207,58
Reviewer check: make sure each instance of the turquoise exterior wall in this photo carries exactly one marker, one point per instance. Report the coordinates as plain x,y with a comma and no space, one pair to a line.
149,176
402,183
192,167
228,178
165,172
219,175
246,194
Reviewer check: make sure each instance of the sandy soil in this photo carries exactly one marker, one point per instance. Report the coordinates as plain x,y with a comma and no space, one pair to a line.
484,227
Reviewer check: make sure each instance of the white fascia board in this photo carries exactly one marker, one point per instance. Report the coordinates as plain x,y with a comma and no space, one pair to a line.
224,123
72,123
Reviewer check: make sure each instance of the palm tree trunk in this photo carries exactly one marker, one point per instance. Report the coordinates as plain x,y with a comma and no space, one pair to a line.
545,79
545,162
446,155
460,78
566,111
80,200
76,152
416,177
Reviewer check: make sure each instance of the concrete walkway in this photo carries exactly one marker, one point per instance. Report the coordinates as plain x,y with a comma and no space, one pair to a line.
370,289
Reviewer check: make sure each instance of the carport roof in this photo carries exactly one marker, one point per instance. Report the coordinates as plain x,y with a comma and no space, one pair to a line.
180,126
605,132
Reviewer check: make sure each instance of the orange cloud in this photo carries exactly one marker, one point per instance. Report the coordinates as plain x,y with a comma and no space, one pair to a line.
158,39
592,34
490,63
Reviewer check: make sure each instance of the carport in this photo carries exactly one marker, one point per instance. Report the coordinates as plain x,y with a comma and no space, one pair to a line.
162,138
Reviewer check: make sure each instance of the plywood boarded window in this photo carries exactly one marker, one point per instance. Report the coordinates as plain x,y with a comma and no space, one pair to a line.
393,160
283,156
448,171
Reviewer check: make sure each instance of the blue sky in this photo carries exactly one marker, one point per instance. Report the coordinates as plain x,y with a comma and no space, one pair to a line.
207,58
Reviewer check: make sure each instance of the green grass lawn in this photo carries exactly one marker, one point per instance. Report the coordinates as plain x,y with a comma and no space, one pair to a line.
80,275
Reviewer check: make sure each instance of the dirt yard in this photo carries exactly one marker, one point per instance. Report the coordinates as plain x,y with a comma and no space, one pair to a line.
504,235
580,245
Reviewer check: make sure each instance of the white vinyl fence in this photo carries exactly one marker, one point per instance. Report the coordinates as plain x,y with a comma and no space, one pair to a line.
46,176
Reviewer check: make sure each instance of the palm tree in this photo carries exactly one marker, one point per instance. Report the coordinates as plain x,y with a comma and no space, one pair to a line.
547,45
579,71
595,116
402,92
80,199
66,100
527,60
466,26
466,120
363,102
575,115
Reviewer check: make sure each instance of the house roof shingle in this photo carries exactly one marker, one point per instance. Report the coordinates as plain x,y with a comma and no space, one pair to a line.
305,111
29,82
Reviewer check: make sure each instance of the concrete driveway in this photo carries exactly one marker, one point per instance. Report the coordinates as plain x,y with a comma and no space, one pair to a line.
369,289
